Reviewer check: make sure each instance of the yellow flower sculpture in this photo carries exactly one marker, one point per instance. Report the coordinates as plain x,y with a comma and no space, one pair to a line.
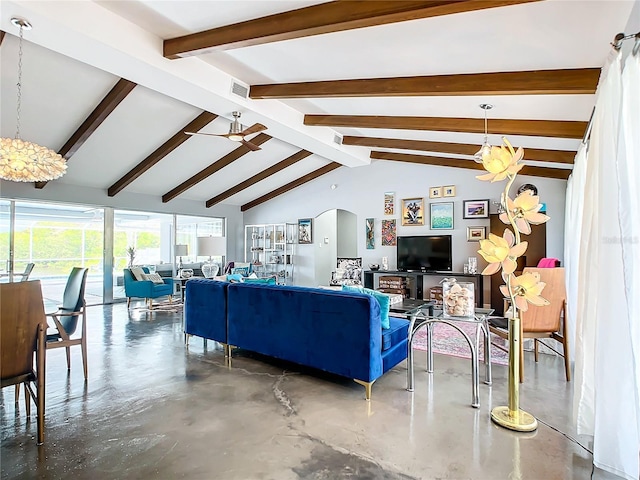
501,252
526,289
525,210
501,162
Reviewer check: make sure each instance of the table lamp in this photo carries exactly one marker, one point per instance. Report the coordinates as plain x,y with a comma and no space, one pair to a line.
180,251
210,246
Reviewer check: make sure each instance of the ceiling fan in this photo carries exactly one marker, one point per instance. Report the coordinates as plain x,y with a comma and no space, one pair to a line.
236,132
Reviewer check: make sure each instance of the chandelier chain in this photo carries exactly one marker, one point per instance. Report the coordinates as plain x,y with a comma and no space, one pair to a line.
19,84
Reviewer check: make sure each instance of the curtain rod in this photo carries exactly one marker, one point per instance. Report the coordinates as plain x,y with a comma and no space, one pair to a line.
620,37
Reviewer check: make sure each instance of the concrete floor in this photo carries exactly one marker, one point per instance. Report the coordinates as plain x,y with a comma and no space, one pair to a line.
153,409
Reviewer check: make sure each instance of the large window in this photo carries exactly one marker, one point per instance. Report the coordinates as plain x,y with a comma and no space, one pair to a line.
189,228
56,238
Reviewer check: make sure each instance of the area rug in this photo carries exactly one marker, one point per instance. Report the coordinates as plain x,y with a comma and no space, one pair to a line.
175,307
448,341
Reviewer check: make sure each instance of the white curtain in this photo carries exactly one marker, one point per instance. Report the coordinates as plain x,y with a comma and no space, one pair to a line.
604,267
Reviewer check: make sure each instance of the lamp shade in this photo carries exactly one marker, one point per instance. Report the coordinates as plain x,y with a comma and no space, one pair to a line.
210,246
181,250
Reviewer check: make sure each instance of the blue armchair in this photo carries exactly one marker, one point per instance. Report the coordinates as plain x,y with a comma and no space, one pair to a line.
146,288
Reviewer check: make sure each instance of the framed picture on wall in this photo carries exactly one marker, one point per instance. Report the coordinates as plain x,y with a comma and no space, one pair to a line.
441,216
475,209
475,234
389,203
435,192
305,230
412,211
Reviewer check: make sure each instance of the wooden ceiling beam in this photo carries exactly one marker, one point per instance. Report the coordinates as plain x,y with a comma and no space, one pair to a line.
228,159
108,104
319,19
2,33
287,162
536,128
291,185
561,173
555,156
165,149
536,82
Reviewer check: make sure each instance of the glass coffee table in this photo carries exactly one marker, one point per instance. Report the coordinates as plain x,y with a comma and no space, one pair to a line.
426,317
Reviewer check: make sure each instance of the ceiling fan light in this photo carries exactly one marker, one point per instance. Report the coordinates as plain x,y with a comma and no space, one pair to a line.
235,137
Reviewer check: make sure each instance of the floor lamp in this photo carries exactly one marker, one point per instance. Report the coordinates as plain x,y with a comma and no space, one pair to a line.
208,247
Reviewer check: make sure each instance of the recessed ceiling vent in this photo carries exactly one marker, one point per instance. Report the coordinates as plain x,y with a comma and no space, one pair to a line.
337,139
240,89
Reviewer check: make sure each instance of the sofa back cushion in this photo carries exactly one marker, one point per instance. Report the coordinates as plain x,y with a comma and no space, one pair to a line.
330,330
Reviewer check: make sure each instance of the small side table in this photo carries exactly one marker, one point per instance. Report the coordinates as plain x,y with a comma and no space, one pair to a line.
419,319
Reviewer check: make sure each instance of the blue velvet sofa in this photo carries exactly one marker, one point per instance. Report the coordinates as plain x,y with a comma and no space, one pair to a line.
338,332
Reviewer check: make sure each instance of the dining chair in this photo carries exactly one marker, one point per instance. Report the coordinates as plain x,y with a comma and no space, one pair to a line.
548,321
27,271
66,317
22,332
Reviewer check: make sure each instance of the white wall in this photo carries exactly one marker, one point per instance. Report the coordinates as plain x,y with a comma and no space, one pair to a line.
361,191
325,227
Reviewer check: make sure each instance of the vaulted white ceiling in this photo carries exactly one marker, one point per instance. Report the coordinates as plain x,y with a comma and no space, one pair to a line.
77,51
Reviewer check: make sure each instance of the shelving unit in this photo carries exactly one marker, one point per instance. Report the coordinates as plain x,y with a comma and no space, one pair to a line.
270,250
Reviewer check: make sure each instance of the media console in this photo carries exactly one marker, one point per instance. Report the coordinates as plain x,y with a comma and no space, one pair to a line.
417,281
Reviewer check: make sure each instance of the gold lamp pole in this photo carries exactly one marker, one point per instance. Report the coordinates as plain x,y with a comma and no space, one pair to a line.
502,253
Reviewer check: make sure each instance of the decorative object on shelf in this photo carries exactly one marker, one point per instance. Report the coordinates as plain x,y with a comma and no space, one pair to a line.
486,148
181,250
388,233
503,163
374,267
475,234
472,262
305,230
385,263
370,223
528,186
131,256
412,211
209,247
185,273
475,209
22,161
449,191
389,203
441,216
435,192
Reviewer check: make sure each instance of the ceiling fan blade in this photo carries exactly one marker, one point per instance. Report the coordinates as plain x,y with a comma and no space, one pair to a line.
206,134
255,128
250,146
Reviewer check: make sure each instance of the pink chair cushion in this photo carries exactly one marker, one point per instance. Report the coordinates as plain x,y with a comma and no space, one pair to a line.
548,263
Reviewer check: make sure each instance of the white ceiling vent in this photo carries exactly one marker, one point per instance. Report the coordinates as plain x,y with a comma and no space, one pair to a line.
240,89
337,139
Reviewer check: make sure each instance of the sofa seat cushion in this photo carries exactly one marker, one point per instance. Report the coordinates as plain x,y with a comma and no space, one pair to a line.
396,333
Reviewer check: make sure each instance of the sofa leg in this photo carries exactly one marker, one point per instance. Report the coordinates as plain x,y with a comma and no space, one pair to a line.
367,387
186,339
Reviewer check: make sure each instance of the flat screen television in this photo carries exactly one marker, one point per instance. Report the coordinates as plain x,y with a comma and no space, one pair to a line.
423,253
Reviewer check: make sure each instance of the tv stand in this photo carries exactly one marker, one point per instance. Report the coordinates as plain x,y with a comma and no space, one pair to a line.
418,281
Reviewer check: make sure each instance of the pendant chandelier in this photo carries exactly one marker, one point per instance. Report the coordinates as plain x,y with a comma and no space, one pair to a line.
22,161
486,147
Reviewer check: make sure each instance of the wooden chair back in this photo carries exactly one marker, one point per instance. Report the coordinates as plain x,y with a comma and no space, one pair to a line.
547,318
21,313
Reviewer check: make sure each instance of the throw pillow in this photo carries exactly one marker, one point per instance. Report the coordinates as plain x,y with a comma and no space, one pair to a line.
154,277
137,273
244,271
382,299
261,281
235,278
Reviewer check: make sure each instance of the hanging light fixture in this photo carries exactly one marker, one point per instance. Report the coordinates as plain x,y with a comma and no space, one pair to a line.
486,148
22,161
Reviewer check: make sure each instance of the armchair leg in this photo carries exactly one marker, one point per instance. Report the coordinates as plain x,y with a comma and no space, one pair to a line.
83,346
567,361
535,349
367,387
128,302
17,394
27,399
